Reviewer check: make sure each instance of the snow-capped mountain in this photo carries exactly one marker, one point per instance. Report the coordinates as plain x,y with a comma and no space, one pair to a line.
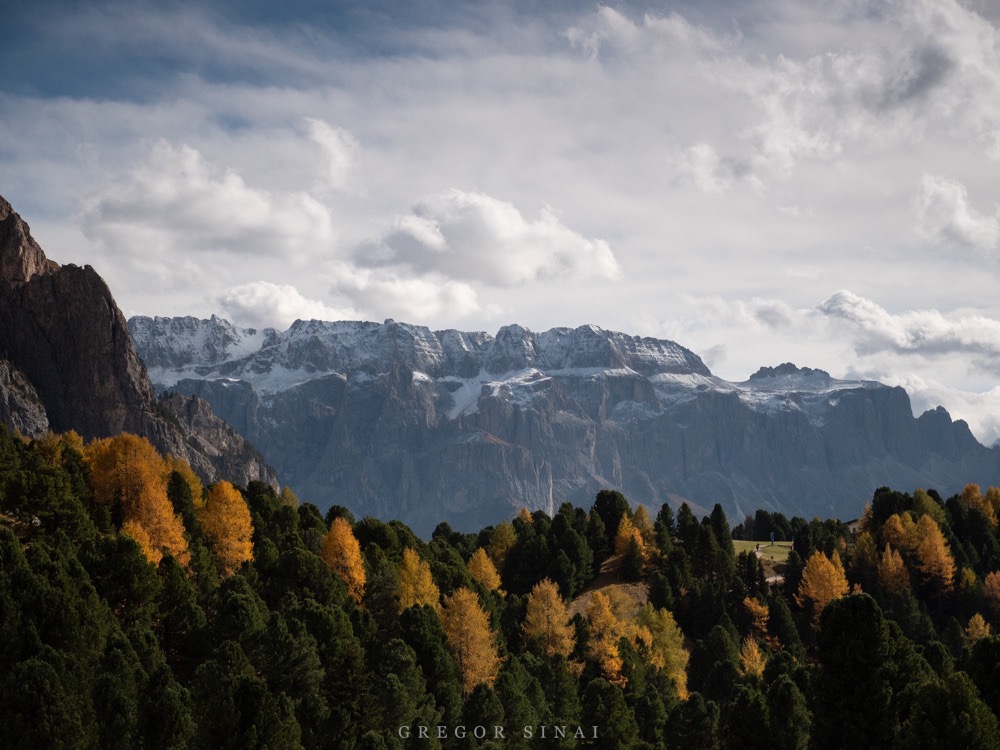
396,420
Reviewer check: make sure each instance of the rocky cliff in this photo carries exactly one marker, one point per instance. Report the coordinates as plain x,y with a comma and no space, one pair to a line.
396,420
70,362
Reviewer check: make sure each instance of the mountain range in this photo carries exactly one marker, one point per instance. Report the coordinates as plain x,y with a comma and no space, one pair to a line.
398,421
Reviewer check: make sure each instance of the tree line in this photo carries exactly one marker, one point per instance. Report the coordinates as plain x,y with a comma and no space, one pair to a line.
141,609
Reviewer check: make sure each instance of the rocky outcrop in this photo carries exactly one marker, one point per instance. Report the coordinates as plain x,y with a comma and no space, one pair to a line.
20,406
64,336
398,421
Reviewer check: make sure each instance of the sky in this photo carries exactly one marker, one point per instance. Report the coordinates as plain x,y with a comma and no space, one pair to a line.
762,181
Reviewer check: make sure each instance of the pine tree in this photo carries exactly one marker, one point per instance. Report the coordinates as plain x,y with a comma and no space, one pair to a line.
470,638
546,620
416,586
502,539
226,522
483,570
342,554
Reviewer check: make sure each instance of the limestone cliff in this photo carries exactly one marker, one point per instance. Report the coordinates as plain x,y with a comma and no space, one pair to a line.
69,349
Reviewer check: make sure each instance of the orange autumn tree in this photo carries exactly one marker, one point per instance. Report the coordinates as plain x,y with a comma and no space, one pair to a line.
467,628
934,559
129,476
666,645
342,554
605,632
226,522
546,620
823,580
481,568
893,576
625,534
991,589
416,586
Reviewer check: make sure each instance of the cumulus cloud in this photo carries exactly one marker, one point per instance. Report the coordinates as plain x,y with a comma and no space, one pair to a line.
262,304
404,297
927,333
474,237
177,202
945,215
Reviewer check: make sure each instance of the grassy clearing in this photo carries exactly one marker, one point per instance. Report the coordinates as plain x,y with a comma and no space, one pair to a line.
776,553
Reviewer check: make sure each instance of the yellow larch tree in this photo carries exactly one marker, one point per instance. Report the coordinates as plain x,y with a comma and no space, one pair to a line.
752,659
991,588
525,515
225,519
893,576
644,524
934,558
972,499
993,498
127,473
759,615
546,620
342,554
416,586
141,537
977,629
481,568
625,534
605,632
823,580
470,638
666,646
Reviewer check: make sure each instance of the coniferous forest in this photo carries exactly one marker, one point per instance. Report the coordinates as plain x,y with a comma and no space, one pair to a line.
140,609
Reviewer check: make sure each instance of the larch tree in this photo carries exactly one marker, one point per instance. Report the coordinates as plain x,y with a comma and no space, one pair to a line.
934,558
225,519
605,632
546,620
893,576
191,479
471,640
973,499
822,582
644,524
342,554
666,646
977,629
481,568
627,532
129,476
416,586
991,588
752,660
759,614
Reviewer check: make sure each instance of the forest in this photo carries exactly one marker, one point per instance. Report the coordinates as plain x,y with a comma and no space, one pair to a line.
141,609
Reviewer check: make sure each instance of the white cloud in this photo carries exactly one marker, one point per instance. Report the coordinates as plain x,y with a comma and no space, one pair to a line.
945,215
177,203
262,304
398,296
474,237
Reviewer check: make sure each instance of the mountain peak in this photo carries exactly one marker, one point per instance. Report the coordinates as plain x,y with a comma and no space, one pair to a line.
21,258
788,369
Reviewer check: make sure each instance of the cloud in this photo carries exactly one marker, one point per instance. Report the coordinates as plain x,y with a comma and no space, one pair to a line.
945,215
341,150
403,297
261,304
177,203
474,237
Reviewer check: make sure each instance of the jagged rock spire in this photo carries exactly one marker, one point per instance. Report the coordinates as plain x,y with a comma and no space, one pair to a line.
20,256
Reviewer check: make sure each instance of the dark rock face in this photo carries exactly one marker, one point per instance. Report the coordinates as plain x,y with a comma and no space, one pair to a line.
20,406
65,337
398,421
